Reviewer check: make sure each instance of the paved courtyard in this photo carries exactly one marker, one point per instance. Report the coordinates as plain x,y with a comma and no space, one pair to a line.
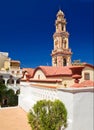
13,118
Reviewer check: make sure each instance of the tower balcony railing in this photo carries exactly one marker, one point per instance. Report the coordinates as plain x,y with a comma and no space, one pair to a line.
60,20
60,50
15,67
13,73
17,75
5,71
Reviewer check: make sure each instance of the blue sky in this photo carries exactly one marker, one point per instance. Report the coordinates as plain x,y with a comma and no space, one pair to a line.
27,27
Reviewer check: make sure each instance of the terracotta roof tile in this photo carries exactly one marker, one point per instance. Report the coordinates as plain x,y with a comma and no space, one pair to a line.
76,85
86,83
29,71
55,71
88,65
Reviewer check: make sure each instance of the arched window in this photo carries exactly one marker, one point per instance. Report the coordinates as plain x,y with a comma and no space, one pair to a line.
10,80
18,81
64,44
56,44
64,62
18,72
55,61
39,76
12,72
2,80
62,28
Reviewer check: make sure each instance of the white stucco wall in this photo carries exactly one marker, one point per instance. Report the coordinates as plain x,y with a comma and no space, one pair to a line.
40,73
78,101
30,94
83,111
25,96
79,104
67,99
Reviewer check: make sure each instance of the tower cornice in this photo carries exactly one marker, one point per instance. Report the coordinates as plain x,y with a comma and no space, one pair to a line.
63,21
61,34
61,52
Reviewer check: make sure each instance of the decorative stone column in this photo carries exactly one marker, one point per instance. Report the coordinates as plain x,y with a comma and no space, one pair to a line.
14,82
5,81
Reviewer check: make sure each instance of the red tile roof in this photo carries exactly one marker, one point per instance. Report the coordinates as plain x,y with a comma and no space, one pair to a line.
76,85
55,71
50,71
86,83
88,65
29,71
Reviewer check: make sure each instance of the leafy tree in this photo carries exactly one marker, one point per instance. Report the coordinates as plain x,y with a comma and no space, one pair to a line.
3,89
8,95
12,98
48,115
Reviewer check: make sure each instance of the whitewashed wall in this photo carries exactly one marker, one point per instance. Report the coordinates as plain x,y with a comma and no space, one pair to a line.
25,97
67,98
30,94
83,111
78,101
79,104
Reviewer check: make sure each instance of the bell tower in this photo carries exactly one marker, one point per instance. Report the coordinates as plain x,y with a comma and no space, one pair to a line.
61,54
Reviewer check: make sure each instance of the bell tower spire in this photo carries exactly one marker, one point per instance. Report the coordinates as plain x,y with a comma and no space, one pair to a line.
61,54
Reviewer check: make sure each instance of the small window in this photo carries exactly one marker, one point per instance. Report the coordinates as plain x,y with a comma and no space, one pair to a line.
56,44
12,72
62,28
65,45
10,80
18,81
18,72
38,76
2,80
64,62
55,60
86,76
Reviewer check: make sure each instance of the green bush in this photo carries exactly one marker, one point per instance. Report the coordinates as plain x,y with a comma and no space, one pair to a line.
48,115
